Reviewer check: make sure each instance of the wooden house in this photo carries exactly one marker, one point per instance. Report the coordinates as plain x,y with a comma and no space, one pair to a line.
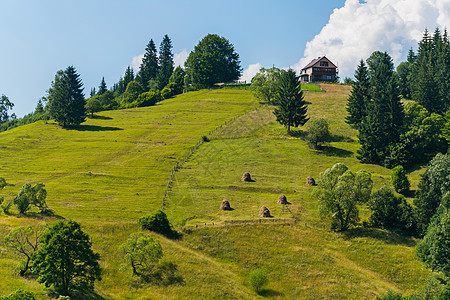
320,69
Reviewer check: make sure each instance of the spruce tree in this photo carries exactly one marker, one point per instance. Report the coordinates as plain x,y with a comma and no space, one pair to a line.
383,123
66,98
291,107
102,88
166,62
125,80
149,67
359,97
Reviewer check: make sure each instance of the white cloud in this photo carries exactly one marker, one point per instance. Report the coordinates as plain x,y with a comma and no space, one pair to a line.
356,30
180,58
250,72
136,62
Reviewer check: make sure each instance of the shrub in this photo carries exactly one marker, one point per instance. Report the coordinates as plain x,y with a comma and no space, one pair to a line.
399,180
157,222
149,98
318,133
168,90
258,280
19,295
390,211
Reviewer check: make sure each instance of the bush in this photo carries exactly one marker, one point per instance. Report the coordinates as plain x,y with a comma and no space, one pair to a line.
149,98
390,211
168,90
318,133
399,180
157,222
258,280
19,295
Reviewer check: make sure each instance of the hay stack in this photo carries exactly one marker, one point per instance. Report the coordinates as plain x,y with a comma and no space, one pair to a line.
310,181
282,200
225,205
246,177
264,212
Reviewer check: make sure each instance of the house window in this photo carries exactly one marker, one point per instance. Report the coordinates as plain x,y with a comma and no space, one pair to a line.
316,69
324,64
329,77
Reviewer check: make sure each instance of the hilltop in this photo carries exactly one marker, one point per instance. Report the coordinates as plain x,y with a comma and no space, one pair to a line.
114,168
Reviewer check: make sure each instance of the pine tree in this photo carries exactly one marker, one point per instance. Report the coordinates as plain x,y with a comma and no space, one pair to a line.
382,125
125,80
67,99
291,108
102,88
149,67
359,97
166,62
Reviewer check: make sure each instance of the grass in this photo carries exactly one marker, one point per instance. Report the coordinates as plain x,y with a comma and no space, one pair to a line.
114,169
311,87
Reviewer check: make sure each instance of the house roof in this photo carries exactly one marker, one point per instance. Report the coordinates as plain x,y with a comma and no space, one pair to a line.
315,61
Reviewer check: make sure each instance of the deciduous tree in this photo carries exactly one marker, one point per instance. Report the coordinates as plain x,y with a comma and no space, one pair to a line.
213,60
65,259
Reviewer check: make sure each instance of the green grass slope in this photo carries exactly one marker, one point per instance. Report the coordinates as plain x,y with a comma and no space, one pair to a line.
115,168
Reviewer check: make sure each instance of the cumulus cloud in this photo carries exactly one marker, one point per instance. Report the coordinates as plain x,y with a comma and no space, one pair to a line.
136,62
356,30
180,58
250,72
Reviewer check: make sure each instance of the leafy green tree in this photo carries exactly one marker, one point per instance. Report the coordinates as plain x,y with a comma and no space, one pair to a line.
359,98
93,105
149,67
102,88
134,89
434,249
5,105
66,98
166,62
338,192
23,241
433,186
291,107
318,133
157,222
258,279
264,84
390,211
65,259
213,60
177,78
107,101
142,253
31,195
399,180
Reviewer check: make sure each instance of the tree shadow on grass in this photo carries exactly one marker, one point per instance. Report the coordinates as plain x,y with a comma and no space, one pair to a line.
94,128
270,293
388,237
333,151
40,216
80,294
101,117
341,138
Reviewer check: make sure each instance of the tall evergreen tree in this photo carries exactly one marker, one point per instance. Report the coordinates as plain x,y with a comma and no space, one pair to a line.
102,88
166,62
66,98
359,97
291,107
149,67
125,80
382,125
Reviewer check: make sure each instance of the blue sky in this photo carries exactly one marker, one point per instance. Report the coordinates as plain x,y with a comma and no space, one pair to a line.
101,38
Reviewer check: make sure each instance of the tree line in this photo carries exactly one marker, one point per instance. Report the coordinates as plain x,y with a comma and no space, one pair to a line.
392,133
213,60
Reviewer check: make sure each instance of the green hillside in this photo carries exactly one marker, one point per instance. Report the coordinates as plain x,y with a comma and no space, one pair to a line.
115,168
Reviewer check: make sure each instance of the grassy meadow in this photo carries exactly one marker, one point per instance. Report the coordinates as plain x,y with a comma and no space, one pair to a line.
115,168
